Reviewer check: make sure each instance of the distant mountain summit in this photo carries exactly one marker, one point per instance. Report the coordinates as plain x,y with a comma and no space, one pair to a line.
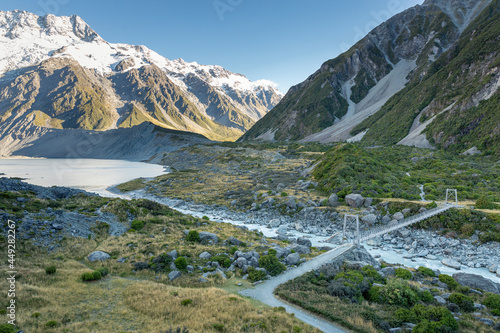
428,76
57,73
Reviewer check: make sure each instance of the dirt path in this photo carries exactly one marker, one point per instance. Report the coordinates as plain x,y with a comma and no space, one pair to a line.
265,292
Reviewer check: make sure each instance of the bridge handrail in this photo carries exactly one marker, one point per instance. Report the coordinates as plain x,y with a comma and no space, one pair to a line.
406,222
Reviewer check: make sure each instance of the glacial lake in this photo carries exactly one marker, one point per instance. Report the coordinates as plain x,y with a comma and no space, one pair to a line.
92,175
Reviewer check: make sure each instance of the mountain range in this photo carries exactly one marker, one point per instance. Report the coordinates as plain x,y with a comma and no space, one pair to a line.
58,74
427,77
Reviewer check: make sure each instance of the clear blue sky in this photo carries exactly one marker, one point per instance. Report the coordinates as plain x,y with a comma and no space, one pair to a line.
280,40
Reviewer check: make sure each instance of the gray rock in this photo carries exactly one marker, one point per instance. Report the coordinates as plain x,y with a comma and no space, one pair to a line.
304,241
174,275
292,259
291,203
172,254
121,260
451,263
274,223
476,282
354,200
203,280
388,271
207,237
395,330
493,268
333,200
486,321
282,230
240,262
398,216
368,202
302,249
205,255
98,255
440,300
373,241
190,268
57,226
234,241
369,219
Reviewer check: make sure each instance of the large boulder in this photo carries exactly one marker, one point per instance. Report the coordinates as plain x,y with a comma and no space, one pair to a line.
234,241
291,203
207,237
451,263
360,254
205,255
304,241
333,200
476,282
302,249
282,230
388,271
174,275
98,255
292,259
354,200
398,216
369,219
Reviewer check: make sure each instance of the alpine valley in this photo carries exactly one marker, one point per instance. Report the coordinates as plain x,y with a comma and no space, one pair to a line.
61,81
427,77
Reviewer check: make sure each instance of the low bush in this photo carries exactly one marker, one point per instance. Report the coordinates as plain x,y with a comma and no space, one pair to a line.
222,259
272,252
181,263
91,276
371,272
193,236
218,327
104,271
186,302
426,271
272,265
7,328
255,275
137,225
233,249
428,318
49,270
492,301
464,302
452,284
51,323
403,274
396,292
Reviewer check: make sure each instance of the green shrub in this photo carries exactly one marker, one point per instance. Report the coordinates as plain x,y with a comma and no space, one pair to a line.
223,260
104,271
495,312
186,302
429,318
464,302
284,194
137,225
272,252
49,270
426,271
492,301
218,327
51,323
450,281
255,275
484,203
96,275
271,264
35,315
403,274
233,249
426,296
206,218
193,236
7,328
371,272
181,263
91,276
397,292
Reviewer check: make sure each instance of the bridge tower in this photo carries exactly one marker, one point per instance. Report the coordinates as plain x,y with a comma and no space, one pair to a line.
351,217
449,195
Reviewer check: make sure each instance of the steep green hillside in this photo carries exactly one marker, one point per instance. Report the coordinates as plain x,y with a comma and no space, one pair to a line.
466,73
397,172
418,34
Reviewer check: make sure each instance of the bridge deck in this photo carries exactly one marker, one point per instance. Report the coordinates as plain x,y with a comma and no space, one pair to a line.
379,231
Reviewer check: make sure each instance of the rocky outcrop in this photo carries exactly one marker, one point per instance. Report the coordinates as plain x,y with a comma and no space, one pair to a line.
476,282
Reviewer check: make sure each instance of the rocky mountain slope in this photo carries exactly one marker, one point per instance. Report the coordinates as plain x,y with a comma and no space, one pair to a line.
56,72
376,90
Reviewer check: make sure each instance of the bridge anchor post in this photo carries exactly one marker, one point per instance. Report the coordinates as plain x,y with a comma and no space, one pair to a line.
450,193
